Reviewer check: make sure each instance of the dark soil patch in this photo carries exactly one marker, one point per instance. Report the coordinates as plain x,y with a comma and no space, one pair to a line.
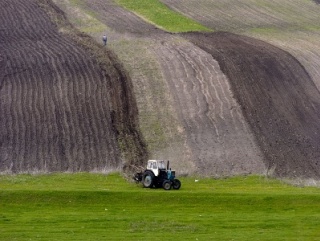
203,117
66,103
274,91
278,99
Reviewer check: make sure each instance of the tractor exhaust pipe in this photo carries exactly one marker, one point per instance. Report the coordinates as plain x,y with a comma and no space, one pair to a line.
168,164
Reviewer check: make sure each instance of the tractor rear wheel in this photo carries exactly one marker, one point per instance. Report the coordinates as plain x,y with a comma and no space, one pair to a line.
166,185
176,184
148,179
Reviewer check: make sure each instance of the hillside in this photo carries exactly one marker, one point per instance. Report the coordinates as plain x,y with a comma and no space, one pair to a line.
278,98
63,106
215,104
212,132
292,25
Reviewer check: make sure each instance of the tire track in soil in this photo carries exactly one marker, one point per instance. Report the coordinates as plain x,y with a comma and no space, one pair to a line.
166,134
248,14
291,25
123,109
218,145
56,104
201,113
206,101
278,98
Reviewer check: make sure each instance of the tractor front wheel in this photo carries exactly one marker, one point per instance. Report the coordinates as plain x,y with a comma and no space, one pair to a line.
148,179
166,185
176,184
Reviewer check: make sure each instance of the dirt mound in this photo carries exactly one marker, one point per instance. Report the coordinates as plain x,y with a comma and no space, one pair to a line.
278,99
66,104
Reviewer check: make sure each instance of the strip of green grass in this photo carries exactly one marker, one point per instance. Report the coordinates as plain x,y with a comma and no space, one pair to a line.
107,207
162,16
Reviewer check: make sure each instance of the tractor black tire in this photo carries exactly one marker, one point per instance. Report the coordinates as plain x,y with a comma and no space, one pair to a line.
167,185
148,179
176,184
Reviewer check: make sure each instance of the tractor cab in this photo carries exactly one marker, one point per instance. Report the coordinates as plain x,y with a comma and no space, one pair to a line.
156,166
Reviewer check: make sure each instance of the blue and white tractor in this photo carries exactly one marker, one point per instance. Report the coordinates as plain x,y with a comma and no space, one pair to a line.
158,174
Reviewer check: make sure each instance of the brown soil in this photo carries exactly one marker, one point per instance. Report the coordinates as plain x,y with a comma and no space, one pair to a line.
215,104
229,127
216,132
291,25
63,106
202,125
119,19
278,99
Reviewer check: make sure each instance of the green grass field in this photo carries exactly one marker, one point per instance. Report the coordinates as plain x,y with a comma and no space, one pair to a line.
107,207
159,14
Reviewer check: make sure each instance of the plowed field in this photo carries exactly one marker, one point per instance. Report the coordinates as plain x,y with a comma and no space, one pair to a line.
279,99
292,25
215,104
60,110
186,110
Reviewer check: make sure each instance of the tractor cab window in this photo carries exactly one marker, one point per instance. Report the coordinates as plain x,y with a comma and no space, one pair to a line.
161,165
150,165
154,165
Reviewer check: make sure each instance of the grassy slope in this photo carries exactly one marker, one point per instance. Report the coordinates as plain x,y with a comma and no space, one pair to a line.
99,207
162,16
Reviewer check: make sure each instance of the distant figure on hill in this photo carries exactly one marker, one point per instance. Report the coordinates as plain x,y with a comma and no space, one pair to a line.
104,39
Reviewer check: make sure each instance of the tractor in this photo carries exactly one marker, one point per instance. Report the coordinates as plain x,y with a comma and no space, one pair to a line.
158,174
